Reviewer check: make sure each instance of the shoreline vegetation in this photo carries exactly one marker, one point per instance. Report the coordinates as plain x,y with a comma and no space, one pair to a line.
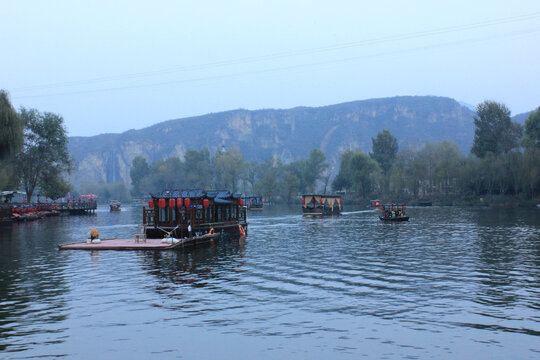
502,169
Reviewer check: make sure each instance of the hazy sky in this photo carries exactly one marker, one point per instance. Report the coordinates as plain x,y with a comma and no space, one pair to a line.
111,66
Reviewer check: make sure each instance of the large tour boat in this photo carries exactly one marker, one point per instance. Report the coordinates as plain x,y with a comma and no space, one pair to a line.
321,205
186,213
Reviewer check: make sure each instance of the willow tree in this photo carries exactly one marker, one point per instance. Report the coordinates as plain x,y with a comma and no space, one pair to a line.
44,158
11,140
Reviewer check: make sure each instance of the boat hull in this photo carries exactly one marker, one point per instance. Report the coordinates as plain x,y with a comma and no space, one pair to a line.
394,219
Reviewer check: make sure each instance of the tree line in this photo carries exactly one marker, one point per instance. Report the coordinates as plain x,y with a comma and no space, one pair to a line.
504,160
227,170
33,151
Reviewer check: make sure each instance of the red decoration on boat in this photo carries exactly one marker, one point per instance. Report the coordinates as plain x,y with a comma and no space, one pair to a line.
150,204
241,202
393,207
321,201
303,201
206,203
179,202
186,202
404,207
382,207
172,203
161,203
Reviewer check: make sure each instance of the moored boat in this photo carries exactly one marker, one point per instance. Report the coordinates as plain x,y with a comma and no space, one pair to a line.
321,205
187,213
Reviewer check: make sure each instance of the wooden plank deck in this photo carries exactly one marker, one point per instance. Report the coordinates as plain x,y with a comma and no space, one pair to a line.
130,244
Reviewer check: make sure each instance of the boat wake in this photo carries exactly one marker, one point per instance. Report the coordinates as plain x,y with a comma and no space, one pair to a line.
357,212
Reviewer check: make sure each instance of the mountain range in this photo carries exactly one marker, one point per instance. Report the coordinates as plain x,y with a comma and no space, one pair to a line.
288,134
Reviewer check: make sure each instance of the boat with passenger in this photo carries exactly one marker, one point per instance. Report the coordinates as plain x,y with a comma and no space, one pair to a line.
253,203
321,205
393,212
186,213
115,205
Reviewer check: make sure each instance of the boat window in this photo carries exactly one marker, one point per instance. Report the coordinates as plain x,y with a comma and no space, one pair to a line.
219,217
234,212
163,214
198,214
173,214
208,214
227,213
183,214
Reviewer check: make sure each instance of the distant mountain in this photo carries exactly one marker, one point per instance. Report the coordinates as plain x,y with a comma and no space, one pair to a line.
520,118
287,134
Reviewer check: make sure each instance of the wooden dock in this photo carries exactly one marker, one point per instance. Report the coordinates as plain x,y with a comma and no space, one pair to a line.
148,244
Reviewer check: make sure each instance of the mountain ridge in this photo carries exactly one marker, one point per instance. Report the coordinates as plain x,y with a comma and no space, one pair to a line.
287,134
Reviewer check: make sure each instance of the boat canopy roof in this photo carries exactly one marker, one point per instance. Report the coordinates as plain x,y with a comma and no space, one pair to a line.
391,204
217,195
323,196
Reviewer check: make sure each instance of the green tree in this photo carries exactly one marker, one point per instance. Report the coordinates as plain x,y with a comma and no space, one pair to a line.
495,132
358,173
228,167
54,186
312,170
11,141
531,138
44,151
197,169
291,182
385,149
138,171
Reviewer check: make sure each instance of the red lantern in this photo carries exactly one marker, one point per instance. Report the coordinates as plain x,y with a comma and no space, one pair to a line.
161,203
303,201
404,207
321,201
206,203
241,202
172,203
186,202
179,202
150,204
393,208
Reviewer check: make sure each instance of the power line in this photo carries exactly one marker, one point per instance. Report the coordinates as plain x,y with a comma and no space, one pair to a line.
261,58
289,67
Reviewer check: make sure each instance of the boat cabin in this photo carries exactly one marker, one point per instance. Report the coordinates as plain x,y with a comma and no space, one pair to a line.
393,212
254,203
321,205
185,213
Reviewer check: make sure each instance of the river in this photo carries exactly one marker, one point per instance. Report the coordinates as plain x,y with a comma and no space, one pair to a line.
452,283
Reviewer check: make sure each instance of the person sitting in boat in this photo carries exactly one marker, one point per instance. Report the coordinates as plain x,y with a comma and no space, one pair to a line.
393,213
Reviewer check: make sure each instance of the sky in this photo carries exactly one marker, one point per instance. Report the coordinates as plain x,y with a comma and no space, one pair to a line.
112,66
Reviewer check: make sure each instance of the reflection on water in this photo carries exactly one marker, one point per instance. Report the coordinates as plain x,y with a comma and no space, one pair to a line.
451,283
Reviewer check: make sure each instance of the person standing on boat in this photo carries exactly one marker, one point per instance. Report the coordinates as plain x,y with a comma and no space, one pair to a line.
189,228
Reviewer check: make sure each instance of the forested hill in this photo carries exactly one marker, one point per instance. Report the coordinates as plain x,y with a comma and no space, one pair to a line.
288,134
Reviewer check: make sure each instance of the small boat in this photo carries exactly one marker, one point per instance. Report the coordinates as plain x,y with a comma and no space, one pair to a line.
321,205
253,203
375,203
115,205
393,212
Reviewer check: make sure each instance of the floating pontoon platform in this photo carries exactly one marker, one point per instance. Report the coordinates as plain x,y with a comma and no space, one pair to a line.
142,244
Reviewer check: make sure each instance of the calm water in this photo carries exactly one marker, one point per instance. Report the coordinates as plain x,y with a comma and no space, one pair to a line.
453,283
